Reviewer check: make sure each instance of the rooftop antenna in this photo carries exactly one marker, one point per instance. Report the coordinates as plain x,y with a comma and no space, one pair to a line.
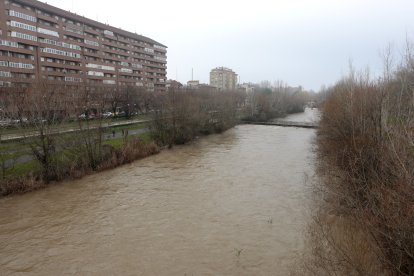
192,74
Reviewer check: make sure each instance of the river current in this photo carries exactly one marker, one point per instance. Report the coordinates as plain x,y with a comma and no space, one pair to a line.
227,204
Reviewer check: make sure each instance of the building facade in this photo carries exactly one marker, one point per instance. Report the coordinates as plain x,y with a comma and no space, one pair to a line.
223,78
39,41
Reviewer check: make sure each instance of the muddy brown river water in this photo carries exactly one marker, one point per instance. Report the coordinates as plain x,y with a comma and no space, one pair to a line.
228,204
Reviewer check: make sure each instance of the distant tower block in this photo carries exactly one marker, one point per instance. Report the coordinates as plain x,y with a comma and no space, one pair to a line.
223,78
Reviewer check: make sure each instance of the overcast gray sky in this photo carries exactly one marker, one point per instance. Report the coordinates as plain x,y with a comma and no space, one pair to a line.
302,42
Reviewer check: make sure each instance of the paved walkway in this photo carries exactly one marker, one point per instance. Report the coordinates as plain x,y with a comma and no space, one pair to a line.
19,136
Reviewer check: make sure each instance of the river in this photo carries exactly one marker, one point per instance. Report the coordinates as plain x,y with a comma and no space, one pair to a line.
228,204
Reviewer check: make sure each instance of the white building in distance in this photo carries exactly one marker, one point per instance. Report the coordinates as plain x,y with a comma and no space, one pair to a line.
223,78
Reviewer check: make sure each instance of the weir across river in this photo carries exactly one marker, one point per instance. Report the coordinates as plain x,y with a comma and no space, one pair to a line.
286,124
308,119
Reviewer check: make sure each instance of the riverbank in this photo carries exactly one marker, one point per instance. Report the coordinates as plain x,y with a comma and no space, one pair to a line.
116,151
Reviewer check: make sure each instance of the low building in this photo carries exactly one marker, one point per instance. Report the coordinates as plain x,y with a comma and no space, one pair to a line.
173,84
193,83
247,87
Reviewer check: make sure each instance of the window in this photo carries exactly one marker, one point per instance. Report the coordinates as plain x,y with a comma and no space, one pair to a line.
109,82
4,63
94,73
135,65
59,52
102,67
73,79
60,44
5,74
108,33
125,70
48,32
73,30
21,65
148,50
22,16
160,47
9,43
160,58
93,43
23,26
24,36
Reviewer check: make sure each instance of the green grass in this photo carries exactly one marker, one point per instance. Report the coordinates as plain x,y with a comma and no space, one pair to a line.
129,127
9,145
117,143
23,169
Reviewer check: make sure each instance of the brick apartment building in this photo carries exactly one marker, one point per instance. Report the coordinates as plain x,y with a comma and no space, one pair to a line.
39,41
223,78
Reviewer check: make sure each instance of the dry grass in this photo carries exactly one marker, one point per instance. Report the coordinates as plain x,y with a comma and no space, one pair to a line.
21,185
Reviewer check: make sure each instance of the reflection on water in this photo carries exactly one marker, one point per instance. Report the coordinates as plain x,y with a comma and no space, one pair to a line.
226,204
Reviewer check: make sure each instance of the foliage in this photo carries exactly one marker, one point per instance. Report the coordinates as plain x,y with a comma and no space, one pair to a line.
181,115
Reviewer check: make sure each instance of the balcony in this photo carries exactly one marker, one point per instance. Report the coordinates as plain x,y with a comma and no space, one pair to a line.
123,40
72,34
91,46
125,73
112,58
162,51
154,67
91,31
46,26
123,79
114,44
93,77
20,80
92,54
111,51
47,18
61,65
54,73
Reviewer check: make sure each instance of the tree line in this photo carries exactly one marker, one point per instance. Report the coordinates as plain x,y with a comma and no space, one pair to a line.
64,132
